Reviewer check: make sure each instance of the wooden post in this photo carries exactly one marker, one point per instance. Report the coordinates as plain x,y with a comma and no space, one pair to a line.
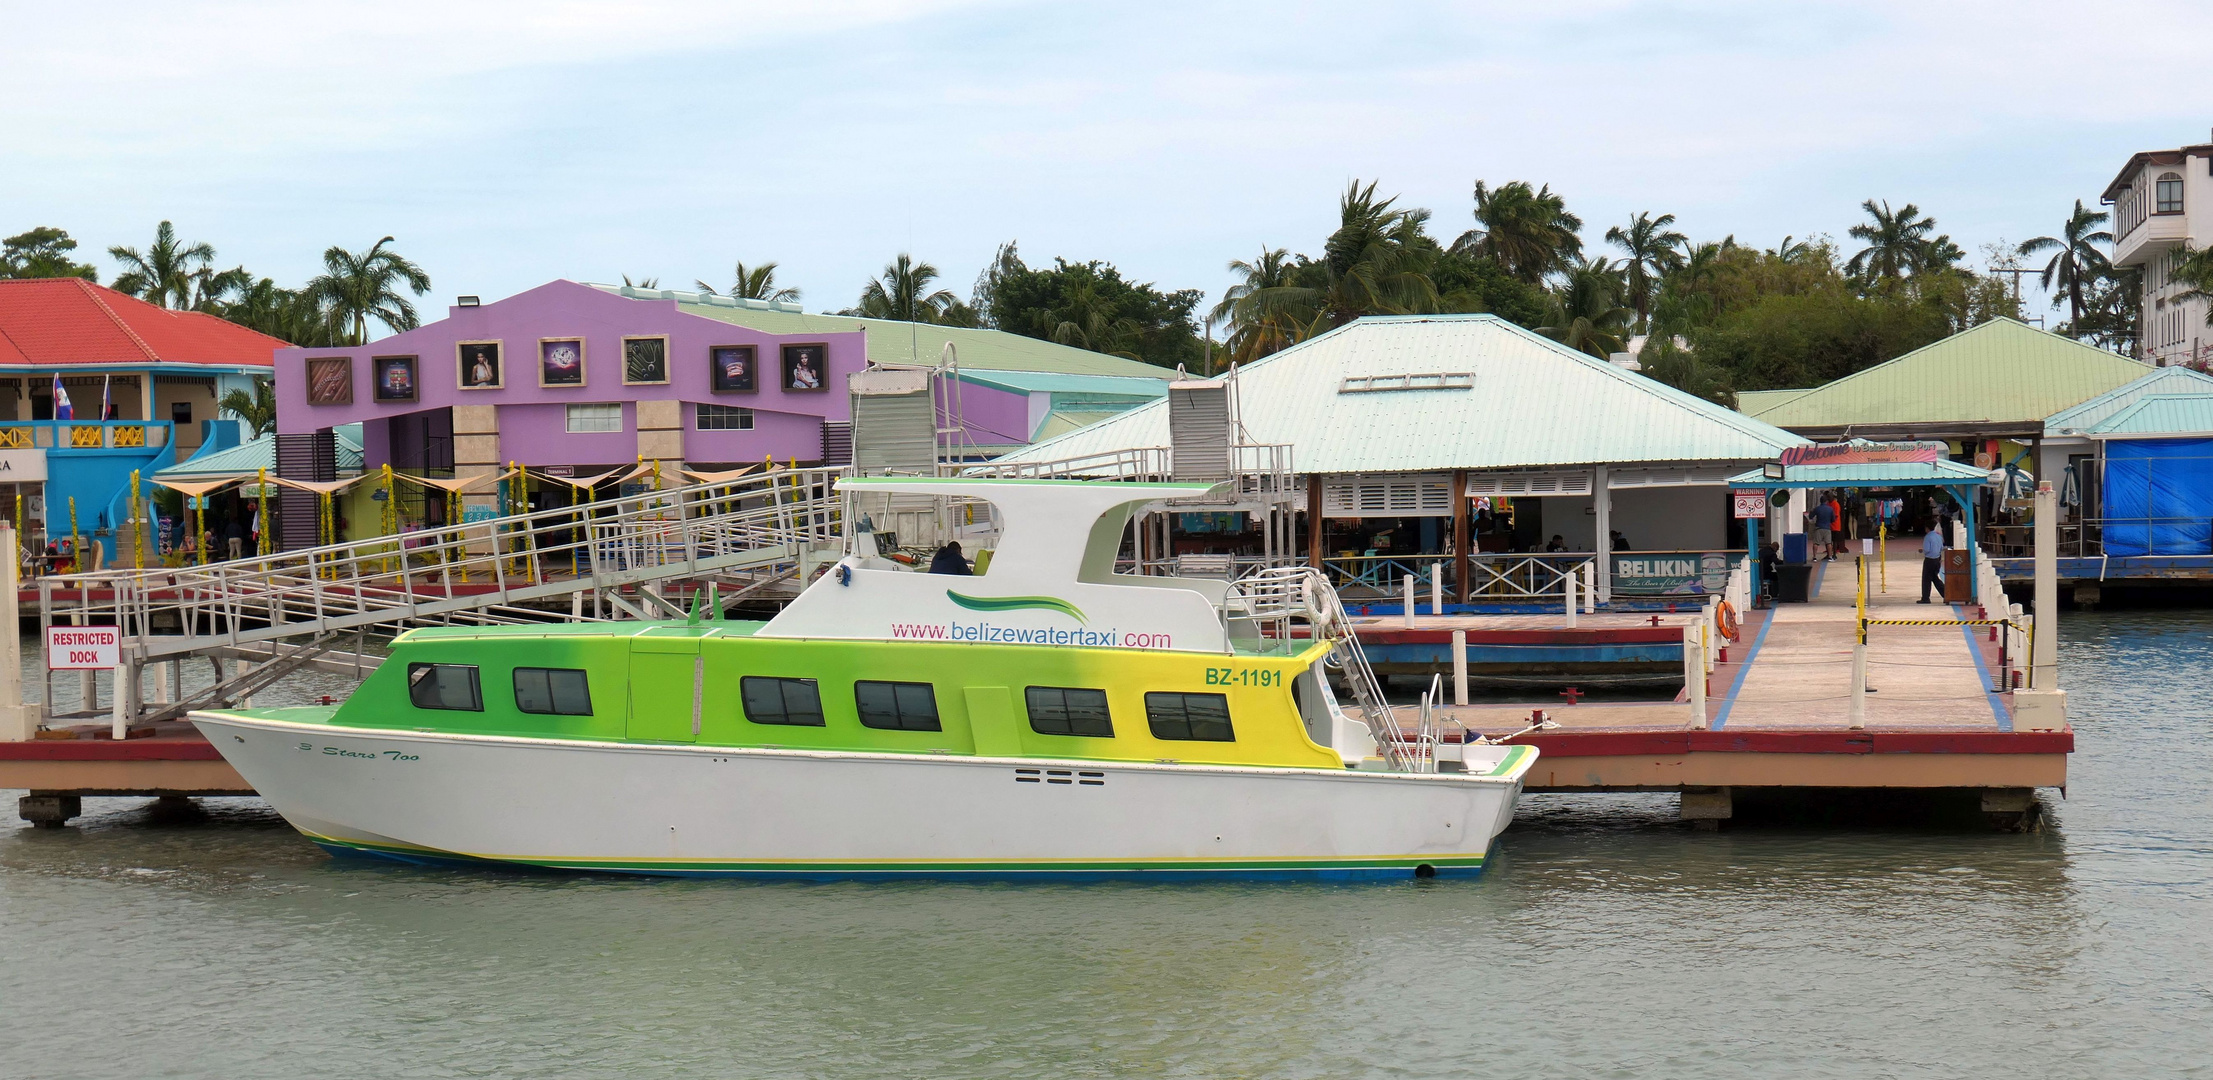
1314,522
1461,538
2044,642
1573,605
1408,614
1437,588
1694,675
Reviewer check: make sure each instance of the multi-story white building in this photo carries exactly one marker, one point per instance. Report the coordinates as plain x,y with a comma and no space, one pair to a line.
2163,206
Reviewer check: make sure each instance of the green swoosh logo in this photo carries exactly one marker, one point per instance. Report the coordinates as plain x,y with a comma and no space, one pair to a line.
1016,603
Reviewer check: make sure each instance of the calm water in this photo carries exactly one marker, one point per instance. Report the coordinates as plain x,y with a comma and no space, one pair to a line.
1606,940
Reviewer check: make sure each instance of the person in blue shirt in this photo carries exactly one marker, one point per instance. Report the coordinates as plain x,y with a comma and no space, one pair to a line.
1821,543
1932,560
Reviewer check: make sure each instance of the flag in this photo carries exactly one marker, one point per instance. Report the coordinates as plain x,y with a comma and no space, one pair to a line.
62,411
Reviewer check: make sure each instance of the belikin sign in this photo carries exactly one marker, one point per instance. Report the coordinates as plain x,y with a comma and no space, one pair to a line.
1860,452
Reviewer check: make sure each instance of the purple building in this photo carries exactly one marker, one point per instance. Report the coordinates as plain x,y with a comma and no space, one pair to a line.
571,381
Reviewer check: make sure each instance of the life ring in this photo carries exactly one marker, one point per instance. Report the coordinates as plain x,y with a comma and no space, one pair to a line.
1726,615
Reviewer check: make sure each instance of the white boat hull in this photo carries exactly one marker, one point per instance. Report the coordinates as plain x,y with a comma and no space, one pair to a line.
683,810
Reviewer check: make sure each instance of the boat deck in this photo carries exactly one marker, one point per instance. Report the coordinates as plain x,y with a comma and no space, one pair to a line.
1778,709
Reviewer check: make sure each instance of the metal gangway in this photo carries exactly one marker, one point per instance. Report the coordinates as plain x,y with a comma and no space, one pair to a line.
750,531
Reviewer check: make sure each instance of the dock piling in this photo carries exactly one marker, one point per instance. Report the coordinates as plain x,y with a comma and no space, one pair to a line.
1694,675
1459,667
1571,605
1436,588
1408,613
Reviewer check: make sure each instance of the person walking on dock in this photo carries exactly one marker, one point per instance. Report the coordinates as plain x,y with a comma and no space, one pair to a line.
1932,560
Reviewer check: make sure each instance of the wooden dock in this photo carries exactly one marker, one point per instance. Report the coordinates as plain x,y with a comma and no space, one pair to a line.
1778,711
1531,646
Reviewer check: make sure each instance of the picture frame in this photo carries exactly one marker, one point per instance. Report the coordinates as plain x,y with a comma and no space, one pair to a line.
645,360
396,378
561,361
733,369
477,365
806,367
330,380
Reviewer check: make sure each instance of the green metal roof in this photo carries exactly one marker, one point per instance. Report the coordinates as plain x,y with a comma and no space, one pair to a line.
261,453
2161,414
909,343
1755,402
1873,474
1517,400
1999,371
2159,381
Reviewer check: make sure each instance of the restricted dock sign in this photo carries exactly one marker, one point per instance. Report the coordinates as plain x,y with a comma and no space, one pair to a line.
83,648
1750,504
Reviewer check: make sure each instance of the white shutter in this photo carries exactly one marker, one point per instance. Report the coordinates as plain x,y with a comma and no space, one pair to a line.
1401,495
1683,476
1524,484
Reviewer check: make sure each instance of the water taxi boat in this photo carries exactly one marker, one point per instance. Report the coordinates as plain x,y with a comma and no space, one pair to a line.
1047,717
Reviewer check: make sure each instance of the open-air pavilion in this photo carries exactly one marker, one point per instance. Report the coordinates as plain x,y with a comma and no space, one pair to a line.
1870,466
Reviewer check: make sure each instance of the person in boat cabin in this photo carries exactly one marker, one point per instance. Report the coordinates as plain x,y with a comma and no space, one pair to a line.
948,560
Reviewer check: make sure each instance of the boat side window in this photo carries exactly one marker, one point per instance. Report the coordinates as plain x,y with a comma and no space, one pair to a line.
1189,717
444,686
559,691
897,706
1066,710
794,702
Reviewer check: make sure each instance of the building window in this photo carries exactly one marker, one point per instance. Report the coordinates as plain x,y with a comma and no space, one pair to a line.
555,691
897,706
794,702
444,686
1061,710
2169,194
180,413
597,417
722,418
1189,717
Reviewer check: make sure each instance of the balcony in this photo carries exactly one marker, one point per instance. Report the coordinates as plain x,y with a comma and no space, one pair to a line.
2158,234
68,435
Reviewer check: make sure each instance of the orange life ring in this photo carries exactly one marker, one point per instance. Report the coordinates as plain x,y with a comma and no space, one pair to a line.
1727,616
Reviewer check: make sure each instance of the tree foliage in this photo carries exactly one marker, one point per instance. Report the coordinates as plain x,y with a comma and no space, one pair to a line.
257,408
43,252
354,288
757,282
1090,305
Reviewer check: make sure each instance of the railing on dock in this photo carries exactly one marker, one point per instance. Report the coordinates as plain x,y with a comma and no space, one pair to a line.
476,570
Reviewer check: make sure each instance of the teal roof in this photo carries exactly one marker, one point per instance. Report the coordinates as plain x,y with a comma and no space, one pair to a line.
1056,383
2161,414
261,453
892,342
2096,411
1755,402
1873,474
1344,401
1998,371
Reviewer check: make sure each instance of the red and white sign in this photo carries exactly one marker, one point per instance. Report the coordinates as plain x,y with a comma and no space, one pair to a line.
1750,504
83,648
1858,452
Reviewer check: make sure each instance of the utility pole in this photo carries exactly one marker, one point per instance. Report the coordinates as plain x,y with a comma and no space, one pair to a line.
2017,271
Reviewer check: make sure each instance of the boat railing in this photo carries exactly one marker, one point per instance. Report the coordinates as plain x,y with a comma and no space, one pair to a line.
1274,603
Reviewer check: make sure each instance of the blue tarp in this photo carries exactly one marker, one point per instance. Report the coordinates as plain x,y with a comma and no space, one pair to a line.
2158,497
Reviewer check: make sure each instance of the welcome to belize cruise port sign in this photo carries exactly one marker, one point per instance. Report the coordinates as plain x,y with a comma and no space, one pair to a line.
83,648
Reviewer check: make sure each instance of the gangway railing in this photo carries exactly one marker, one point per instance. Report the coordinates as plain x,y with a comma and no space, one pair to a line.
1270,604
477,571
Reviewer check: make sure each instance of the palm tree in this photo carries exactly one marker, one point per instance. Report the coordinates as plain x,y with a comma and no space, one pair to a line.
1898,243
164,272
1087,322
1588,315
1653,251
1371,265
756,283
1527,231
903,294
258,409
353,287
2076,261
1256,332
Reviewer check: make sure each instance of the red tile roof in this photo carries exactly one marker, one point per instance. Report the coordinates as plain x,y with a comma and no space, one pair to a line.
58,322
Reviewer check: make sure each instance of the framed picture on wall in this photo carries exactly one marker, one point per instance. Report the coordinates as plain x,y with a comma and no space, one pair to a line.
733,369
806,367
560,361
645,360
479,365
395,377
330,380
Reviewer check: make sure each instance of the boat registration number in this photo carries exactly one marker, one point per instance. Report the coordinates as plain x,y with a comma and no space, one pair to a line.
1222,676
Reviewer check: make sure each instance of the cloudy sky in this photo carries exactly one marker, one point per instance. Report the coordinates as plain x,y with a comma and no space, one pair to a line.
506,144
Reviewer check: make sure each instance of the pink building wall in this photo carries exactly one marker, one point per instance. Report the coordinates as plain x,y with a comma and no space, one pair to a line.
532,418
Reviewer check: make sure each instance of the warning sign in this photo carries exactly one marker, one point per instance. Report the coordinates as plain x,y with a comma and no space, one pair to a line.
83,648
1750,504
